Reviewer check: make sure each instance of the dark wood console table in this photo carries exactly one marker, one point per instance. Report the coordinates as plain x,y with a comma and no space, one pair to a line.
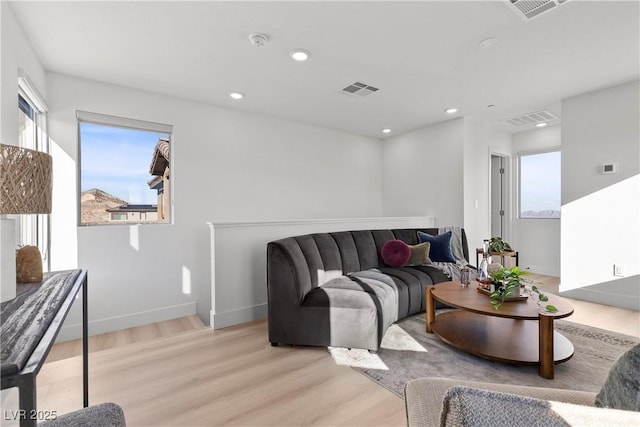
30,323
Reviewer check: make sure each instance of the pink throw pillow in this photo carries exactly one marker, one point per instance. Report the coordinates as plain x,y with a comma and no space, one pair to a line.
395,253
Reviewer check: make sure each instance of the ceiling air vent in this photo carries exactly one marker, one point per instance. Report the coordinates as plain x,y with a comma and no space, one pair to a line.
528,9
532,118
359,89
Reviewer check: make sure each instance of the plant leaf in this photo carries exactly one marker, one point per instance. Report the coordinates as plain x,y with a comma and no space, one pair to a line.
551,308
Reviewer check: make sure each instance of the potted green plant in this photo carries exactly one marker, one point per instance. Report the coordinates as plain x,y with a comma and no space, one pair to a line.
507,282
496,244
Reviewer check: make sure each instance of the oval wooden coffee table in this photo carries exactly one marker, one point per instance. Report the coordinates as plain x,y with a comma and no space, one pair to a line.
518,332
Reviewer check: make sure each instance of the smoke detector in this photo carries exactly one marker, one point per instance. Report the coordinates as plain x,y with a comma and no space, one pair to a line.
258,40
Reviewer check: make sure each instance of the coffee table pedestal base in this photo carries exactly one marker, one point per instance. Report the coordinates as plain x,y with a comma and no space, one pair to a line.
504,339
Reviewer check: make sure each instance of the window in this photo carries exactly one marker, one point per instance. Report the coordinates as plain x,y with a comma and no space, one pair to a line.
540,185
118,216
124,170
32,120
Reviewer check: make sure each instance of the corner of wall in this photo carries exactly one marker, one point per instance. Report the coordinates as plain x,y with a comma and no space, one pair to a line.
593,202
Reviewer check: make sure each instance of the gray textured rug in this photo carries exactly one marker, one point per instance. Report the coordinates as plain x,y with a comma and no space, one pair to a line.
408,352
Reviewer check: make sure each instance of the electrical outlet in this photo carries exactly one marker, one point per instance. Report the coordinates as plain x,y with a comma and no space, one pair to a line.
618,270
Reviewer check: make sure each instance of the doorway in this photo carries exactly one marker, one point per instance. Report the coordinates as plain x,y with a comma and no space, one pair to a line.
499,206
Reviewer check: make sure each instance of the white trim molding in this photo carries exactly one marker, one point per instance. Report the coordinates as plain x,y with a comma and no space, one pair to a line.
110,324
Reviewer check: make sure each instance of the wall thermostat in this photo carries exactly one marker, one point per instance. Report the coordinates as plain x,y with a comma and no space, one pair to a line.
610,168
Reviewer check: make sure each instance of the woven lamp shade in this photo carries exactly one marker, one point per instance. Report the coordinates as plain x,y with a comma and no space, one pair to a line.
25,181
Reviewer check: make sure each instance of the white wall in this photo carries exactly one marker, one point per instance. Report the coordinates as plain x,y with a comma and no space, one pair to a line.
442,171
537,240
480,142
17,53
601,212
228,166
423,173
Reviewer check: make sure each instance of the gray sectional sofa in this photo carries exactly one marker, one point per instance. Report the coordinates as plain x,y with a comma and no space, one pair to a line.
333,289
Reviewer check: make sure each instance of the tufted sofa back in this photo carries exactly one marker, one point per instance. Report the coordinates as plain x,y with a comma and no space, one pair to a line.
315,259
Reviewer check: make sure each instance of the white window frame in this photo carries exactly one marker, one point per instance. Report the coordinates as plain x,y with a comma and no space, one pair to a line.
530,153
122,122
35,229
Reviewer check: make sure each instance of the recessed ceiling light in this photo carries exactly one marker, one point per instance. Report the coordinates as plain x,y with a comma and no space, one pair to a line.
386,130
450,110
236,95
299,55
541,125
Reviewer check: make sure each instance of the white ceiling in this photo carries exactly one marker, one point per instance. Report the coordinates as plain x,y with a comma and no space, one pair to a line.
424,56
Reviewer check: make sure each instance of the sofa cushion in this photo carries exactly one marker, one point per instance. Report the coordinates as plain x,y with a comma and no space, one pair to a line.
367,251
352,283
464,406
415,282
420,254
333,316
399,288
621,389
339,297
440,246
347,250
395,253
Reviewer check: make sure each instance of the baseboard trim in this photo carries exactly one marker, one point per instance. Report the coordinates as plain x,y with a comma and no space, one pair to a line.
241,315
601,297
110,324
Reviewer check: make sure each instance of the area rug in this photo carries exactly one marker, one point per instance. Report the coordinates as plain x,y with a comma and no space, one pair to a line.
408,352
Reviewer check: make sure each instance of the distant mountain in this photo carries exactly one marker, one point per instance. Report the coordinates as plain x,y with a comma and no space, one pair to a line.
94,204
540,214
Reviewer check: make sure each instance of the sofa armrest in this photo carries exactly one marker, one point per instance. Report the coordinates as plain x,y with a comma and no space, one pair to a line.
424,397
288,276
464,406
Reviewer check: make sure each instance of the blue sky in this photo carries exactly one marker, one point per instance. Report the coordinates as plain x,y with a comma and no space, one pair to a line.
540,182
116,160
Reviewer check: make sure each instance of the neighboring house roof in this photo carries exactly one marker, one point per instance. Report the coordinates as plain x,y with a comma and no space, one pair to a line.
94,205
160,159
134,208
156,182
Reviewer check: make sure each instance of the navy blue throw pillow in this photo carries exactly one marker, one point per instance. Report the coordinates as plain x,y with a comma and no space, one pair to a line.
440,246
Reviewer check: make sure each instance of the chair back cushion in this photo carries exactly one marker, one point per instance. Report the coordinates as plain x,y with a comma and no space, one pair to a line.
621,389
471,407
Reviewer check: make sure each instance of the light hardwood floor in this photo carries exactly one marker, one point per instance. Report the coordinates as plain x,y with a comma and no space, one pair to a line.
181,373
123,337
231,376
